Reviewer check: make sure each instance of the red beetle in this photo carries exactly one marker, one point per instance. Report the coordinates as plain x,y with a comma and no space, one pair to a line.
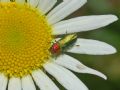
55,49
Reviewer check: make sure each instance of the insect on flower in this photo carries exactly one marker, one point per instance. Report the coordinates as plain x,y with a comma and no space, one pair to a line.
63,44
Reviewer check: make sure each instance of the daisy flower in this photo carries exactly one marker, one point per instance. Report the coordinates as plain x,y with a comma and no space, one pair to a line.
27,29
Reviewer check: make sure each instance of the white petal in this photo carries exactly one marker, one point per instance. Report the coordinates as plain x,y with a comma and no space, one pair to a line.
20,1
57,8
46,5
64,9
43,81
3,82
5,1
27,83
14,84
84,23
66,0
33,3
75,65
92,47
65,77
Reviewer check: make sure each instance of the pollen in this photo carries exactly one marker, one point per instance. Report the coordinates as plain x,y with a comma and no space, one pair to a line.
25,39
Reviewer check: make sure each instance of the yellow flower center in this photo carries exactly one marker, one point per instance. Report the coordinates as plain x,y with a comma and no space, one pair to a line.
25,39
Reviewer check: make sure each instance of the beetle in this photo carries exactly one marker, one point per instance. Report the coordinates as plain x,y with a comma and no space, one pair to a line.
63,44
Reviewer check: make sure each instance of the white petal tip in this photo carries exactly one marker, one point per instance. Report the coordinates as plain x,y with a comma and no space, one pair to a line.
103,76
97,73
113,18
112,50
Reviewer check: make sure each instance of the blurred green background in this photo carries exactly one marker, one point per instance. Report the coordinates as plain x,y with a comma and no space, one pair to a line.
108,64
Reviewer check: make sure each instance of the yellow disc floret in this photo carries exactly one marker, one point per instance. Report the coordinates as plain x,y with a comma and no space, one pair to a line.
25,39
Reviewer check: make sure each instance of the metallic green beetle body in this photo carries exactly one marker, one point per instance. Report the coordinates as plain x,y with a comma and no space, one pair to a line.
63,44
